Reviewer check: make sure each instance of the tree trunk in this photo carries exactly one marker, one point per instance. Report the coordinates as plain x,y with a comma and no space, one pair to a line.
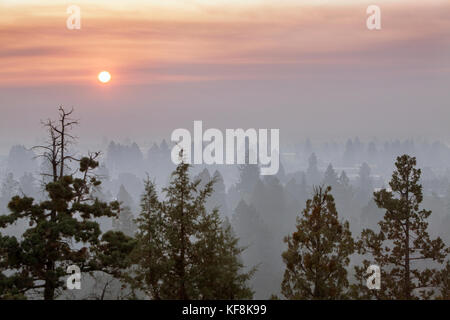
407,269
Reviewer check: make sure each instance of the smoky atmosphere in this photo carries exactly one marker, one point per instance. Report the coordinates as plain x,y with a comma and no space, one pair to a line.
196,150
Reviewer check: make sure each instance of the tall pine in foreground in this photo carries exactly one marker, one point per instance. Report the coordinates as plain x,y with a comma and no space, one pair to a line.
318,252
183,251
402,248
62,230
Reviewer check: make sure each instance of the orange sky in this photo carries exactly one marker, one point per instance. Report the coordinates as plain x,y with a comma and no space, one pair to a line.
175,40
308,67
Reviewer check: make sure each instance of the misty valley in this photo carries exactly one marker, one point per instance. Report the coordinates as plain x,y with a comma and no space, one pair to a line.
139,226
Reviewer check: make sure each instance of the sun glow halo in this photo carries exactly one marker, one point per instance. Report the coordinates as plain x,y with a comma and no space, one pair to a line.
104,77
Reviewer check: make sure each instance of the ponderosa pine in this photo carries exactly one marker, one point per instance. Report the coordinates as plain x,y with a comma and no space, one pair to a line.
318,252
402,248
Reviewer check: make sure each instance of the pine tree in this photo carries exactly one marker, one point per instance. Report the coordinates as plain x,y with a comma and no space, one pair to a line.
219,197
257,238
149,256
124,221
344,180
312,173
349,153
248,178
403,240
442,281
20,160
191,254
365,184
9,188
330,177
28,186
62,230
269,200
218,254
318,252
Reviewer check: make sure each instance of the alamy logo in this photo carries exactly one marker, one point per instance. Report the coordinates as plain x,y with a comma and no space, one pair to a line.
74,280
73,22
374,279
236,150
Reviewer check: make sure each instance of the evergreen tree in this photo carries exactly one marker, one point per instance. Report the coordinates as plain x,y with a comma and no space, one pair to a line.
318,252
21,160
330,177
349,153
124,220
218,254
312,173
442,281
192,255
269,200
345,201
370,215
281,174
372,152
365,184
296,196
255,235
402,241
248,178
62,230
204,176
9,188
28,186
149,256
243,189
219,197
344,180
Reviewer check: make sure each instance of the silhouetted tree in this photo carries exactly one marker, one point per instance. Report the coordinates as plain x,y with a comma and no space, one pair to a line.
256,236
365,184
9,188
312,172
330,177
441,280
124,220
318,252
248,178
62,230
191,254
403,239
219,197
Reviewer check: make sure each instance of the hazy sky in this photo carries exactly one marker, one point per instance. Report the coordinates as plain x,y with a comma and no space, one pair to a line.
310,68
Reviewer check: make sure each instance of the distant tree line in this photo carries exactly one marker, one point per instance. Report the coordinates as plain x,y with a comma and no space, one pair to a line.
181,245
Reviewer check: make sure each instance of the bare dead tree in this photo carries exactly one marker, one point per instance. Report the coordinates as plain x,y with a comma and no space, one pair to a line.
56,150
57,153
63,208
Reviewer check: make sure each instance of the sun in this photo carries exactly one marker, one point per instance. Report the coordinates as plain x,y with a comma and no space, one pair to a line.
104,77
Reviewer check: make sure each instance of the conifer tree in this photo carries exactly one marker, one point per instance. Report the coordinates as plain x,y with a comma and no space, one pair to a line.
8,189
219,197
257,238
183,251
218,254
124,220
364,183
62,230
402,242
312,173
318,252
149,256
330,177
442,281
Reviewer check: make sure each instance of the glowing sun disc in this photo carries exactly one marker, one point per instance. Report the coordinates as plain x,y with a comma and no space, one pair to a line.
104,77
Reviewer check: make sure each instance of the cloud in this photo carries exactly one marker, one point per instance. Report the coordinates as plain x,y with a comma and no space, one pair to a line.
216,42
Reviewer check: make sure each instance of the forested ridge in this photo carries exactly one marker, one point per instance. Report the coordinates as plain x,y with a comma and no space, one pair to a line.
139,227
